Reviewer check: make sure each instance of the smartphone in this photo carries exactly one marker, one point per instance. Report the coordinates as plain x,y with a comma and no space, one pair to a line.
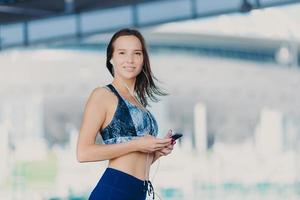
175,136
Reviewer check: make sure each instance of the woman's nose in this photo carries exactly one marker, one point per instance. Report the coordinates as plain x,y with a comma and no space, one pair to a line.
129,58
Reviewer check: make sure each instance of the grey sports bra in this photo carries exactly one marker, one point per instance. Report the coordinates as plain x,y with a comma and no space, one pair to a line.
128,122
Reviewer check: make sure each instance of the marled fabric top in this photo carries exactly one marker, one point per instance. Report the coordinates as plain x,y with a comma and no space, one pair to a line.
128,122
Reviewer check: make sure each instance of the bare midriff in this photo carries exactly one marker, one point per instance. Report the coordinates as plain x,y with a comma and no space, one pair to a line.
134,163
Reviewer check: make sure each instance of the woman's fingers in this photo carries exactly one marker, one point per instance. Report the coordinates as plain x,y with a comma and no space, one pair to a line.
165,146
151,143
161,143
165,152
161,154
162,146
164,141
169,134
159,147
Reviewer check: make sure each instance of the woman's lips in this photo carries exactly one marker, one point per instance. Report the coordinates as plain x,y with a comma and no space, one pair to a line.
129,69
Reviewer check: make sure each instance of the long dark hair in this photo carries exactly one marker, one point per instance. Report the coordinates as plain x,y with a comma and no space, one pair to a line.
144,85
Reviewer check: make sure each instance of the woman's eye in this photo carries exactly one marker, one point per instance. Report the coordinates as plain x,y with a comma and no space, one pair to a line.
137,53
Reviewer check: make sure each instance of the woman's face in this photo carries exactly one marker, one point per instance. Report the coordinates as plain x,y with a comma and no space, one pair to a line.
127,57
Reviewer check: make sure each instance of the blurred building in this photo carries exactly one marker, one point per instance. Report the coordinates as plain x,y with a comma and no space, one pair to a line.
27,131
4,151
269,138
200,121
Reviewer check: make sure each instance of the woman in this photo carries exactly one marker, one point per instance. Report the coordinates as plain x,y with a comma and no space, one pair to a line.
128,129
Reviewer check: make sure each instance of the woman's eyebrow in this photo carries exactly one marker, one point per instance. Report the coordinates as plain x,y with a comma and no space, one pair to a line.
126,49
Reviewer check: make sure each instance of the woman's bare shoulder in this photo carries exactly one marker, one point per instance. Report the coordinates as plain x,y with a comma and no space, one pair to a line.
101,94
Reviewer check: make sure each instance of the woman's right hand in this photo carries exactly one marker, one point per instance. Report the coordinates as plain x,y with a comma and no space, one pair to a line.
149,143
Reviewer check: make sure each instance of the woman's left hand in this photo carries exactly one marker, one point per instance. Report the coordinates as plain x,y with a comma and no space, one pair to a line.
167,150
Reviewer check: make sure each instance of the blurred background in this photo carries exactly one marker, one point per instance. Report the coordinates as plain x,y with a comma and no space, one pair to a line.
231,68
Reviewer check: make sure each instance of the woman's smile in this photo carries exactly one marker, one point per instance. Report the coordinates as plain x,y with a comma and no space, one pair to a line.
129,68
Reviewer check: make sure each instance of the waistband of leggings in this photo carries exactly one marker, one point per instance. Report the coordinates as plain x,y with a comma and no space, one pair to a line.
120,179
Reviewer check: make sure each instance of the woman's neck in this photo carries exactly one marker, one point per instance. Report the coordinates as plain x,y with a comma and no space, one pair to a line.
122,85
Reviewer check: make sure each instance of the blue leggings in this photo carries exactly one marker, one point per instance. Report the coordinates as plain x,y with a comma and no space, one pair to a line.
117,185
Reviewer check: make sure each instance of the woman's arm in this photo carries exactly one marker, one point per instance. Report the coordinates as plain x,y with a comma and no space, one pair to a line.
146,144
93,118
98,152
